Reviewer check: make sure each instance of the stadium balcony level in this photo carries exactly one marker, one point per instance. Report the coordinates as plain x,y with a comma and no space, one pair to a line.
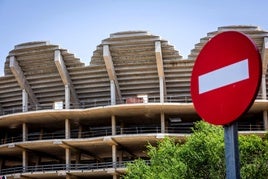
185,128
95,103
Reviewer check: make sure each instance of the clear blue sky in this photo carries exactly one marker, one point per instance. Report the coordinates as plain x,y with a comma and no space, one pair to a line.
80,25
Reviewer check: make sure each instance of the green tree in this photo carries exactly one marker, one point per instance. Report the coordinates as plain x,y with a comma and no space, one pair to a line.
201,156
253,157
203,152
137,170
163,162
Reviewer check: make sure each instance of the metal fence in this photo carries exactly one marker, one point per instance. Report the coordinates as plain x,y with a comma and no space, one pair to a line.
97,132
94,103
84,104
107,131
64,167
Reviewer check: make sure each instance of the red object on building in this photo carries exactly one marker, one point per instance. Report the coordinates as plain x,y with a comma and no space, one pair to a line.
132,100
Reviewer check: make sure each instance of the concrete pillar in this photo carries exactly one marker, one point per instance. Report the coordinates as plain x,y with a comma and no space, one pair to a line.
122,126
114,176
263,88
78,158
38,160
24,132
113,94
113,121
6,137
114,155
67,97
2,163
24,101
41,134
67,129
161,86
67,157
265,120
162,117
80,130
120,158
24,160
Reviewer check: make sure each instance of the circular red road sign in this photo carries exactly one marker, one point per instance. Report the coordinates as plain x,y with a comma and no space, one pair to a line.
226,77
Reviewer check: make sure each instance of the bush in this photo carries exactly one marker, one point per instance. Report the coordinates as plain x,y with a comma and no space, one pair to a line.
201,156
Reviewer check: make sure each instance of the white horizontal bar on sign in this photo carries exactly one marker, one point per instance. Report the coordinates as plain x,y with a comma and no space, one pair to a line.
224,76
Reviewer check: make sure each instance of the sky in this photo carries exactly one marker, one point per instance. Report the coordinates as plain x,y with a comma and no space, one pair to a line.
80,25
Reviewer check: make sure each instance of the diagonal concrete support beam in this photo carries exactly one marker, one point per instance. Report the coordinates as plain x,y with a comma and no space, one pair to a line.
22,81
38,153
110,69
159,59
109,140
77,150
112,142
65,76
160,70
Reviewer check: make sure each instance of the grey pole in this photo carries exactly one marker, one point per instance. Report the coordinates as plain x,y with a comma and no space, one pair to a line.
231,151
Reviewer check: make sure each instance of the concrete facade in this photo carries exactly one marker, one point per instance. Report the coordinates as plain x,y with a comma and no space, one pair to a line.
60,118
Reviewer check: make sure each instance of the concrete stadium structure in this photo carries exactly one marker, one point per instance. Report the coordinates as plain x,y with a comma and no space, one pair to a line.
60,118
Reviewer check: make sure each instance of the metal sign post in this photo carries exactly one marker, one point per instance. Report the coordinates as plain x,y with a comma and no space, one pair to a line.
231,151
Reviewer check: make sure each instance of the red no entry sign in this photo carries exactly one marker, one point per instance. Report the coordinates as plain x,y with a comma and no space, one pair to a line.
226,77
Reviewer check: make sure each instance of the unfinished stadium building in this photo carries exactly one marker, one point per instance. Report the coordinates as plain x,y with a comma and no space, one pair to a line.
60,118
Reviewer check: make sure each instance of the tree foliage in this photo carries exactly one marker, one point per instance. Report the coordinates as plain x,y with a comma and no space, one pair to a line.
200,156
253,157
163,162
203,152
